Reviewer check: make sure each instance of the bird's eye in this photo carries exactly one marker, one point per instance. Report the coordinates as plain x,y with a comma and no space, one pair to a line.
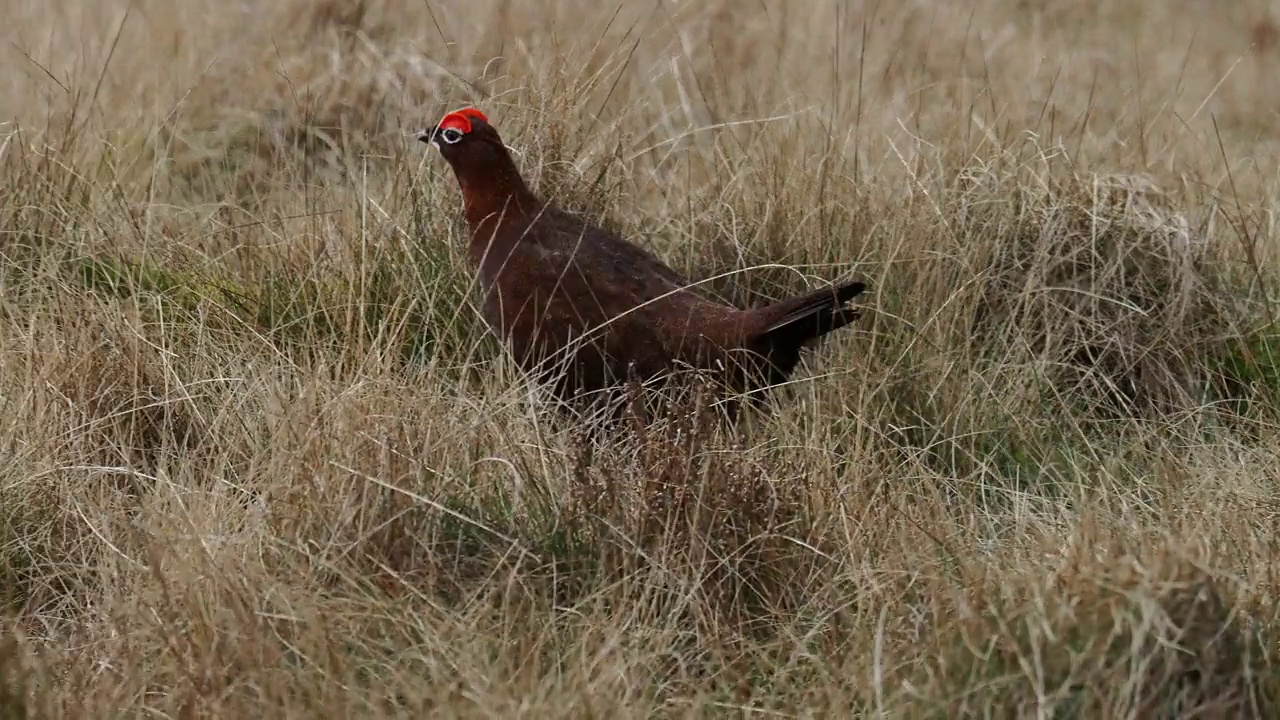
451,135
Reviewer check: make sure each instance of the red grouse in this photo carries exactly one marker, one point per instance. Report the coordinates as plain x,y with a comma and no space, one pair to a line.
586,310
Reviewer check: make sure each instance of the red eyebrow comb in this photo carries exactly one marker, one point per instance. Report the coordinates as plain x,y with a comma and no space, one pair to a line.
461,119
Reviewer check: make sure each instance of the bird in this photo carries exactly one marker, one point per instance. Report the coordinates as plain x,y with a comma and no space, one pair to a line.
585,311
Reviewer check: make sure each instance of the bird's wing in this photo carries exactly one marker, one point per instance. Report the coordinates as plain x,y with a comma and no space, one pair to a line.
610,257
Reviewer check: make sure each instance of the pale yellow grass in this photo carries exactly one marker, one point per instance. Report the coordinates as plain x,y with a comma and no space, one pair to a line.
260,458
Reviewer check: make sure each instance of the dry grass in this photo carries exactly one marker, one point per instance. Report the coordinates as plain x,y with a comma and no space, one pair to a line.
262,460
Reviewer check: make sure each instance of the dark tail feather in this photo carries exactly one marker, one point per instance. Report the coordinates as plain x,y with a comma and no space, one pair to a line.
795,322
812,315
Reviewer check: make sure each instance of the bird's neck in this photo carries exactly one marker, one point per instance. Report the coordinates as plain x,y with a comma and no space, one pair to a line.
494,191
498,207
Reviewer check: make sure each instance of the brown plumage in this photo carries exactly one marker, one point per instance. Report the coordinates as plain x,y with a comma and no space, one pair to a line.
584,309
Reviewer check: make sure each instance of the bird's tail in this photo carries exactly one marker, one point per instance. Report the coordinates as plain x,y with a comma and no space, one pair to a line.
791,324
812,315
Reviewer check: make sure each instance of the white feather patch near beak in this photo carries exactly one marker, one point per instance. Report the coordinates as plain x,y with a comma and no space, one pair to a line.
430,138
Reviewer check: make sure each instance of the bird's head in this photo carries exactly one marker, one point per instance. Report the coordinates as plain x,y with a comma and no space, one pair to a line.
465,138
487,176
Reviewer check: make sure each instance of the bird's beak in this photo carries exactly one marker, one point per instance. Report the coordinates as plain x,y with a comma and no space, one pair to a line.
429,136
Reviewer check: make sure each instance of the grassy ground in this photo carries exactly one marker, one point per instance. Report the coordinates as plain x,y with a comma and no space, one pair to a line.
261,460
